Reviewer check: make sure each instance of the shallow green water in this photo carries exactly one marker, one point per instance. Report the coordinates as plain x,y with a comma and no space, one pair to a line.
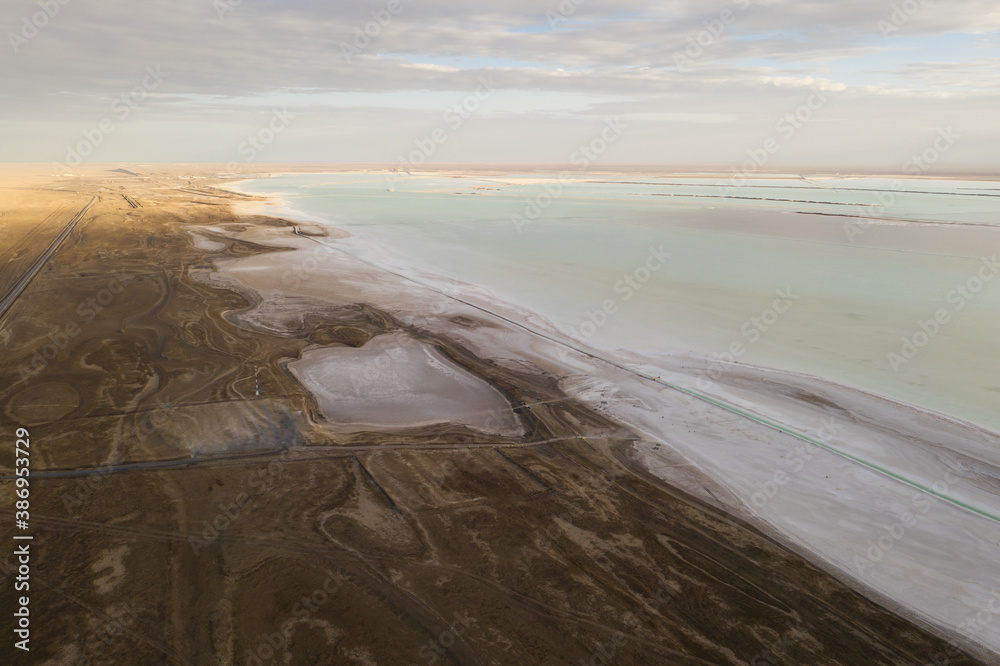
852,291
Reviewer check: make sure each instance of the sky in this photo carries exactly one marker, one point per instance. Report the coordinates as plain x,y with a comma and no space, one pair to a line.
741,84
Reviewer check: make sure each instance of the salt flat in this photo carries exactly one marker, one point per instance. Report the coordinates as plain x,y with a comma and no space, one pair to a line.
396,381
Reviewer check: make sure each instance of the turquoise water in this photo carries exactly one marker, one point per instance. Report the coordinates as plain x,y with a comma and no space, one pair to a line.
851,291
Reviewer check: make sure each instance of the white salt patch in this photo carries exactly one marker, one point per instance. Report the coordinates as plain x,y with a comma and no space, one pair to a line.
203,243
396,381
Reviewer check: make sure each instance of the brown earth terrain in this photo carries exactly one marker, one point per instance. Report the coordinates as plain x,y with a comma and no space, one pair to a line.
190,505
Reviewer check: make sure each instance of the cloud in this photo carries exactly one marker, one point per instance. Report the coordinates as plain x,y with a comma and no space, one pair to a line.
231,61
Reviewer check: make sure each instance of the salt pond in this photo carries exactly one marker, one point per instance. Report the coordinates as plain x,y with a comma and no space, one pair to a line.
867,289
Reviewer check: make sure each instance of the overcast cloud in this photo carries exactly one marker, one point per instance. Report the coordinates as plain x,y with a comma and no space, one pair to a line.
890,74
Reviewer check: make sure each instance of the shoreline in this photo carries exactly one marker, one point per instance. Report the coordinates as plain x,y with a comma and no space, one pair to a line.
764,520
274,205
